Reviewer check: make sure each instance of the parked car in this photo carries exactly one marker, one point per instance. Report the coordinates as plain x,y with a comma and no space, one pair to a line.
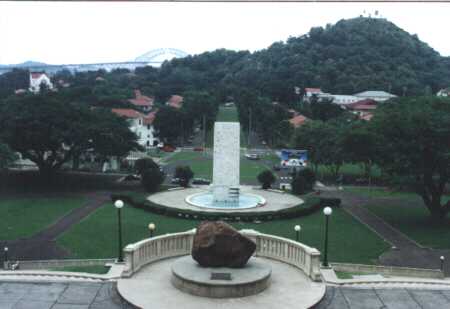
168,148
252,156
175,181
276,168
132,177
198,149
200,181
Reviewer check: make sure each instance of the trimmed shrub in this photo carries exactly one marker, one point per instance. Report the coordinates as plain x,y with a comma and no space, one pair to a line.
298,185
144,164
266,178
303,181
185,174
309,176
152,178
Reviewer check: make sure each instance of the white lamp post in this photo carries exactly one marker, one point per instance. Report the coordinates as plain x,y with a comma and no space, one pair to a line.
327,211
297,230
119,204
151,228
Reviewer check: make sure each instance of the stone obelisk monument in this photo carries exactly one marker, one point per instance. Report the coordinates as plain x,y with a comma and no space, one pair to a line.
226,159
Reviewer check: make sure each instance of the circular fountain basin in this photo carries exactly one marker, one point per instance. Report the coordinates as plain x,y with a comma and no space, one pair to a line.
206,200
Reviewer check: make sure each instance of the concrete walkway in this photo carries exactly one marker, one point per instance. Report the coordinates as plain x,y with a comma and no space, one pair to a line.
42,246
405,252
82,295
74,295
289,288
389,298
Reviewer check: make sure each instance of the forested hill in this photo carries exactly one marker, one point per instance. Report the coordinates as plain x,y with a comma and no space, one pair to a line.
351,56
356,55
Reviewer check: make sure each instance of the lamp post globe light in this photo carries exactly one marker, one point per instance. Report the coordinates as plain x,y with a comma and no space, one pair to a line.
297,229
151,228
5,261
327,211
119,204
442,258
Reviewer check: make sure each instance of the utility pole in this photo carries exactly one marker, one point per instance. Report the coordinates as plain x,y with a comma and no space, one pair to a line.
249,127
204,134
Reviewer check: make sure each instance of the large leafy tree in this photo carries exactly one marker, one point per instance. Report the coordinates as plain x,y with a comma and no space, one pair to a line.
323,140
169,124
361,145
416,146
49,130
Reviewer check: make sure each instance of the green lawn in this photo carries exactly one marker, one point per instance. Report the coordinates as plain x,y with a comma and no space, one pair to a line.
96,236
96,269
202,166
407,212
23,217
349,169
185,156
381,192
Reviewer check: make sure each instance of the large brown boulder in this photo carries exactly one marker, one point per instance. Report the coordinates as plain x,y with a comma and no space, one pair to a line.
217,244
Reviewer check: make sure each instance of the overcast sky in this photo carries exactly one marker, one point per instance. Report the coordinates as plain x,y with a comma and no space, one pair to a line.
83,32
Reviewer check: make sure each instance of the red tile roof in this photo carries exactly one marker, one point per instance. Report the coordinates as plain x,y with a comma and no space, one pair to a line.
366,104
175,101
298,121
313,90
36,75
141,100
127,113
149,118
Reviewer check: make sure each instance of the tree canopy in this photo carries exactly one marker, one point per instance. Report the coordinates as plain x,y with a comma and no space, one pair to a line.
50,131
415,139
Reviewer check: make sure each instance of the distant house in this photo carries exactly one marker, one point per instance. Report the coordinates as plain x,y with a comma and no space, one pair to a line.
38,78
379,96
311,92
175,101
343,99
363,108
143,102
298,120
140,124
444,92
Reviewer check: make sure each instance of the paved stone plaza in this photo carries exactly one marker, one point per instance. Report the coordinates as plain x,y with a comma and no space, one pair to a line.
78,295
75,295
289,288
274,200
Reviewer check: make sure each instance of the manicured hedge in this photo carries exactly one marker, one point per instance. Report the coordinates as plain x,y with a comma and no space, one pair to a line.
311,204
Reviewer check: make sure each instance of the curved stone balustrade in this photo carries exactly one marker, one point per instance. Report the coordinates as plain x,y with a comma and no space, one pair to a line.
282,249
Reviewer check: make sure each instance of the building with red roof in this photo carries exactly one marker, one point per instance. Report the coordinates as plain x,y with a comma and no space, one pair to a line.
38,78
298,120
141,101
141,124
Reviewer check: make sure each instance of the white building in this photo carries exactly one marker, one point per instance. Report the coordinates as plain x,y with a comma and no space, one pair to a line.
343,99
379,96
140,124
38,78
444,92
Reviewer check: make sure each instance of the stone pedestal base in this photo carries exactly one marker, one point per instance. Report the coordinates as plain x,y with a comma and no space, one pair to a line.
220,282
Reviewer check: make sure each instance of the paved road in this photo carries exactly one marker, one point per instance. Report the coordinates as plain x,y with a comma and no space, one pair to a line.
104,296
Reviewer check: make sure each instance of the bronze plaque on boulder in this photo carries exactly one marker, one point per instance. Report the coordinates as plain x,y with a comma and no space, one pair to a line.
217,244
